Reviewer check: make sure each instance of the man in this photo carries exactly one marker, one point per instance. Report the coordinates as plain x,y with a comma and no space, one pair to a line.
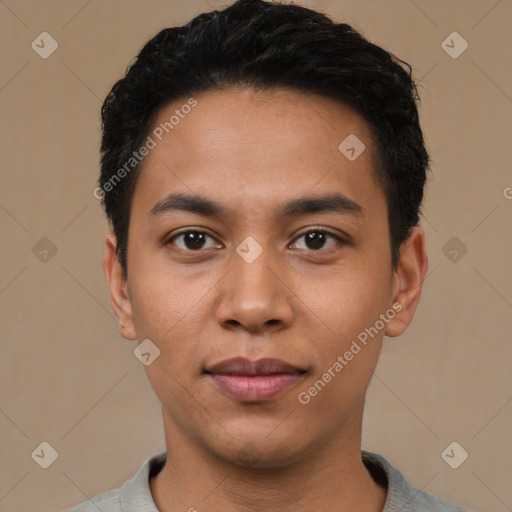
263,169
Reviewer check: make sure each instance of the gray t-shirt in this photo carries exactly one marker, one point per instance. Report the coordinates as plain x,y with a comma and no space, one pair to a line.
135,494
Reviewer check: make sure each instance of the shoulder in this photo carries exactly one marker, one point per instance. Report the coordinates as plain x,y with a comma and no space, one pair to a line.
133,493
422,501
109,501
402,495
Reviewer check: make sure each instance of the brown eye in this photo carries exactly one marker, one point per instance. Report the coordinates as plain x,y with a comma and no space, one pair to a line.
192,240
315,240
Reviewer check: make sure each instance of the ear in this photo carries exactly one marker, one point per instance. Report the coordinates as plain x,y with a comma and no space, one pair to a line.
408,281
118,289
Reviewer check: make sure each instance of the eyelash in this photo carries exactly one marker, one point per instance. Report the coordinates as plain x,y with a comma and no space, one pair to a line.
338,239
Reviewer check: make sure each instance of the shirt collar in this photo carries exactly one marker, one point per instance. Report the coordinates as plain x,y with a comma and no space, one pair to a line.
136,493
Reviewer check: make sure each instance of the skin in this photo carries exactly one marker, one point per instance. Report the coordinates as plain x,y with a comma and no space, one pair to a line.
304,304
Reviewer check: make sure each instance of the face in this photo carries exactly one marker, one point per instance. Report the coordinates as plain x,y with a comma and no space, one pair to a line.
259,291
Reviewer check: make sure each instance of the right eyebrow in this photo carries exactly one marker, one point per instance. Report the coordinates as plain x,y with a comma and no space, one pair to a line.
189,203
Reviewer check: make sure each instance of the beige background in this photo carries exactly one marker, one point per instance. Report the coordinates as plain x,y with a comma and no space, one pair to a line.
68,379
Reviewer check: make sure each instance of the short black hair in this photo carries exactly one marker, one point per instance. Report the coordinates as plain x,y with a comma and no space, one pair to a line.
264,45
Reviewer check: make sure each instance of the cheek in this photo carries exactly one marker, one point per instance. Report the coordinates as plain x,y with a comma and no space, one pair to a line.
347,300
346,343
172,307
349,305
164,297
172,315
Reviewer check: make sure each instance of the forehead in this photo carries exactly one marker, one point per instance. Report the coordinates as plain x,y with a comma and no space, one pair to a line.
240,143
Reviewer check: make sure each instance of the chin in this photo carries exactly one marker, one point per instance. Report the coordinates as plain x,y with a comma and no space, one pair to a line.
255,448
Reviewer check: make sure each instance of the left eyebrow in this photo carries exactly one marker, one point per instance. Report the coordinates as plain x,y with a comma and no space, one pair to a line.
310,204
318,204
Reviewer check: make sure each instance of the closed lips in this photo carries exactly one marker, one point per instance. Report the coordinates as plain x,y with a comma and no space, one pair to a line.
240,366
254,381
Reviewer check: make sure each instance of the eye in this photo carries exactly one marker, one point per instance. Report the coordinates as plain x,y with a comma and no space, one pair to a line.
191,240
194,240
315,239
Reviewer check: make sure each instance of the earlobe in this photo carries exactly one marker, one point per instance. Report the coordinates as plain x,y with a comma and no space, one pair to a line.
118,289
408,281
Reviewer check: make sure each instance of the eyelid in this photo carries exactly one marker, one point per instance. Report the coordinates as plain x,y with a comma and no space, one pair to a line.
199,229
322,229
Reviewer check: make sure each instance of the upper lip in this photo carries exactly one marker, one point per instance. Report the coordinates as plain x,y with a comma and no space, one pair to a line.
245,367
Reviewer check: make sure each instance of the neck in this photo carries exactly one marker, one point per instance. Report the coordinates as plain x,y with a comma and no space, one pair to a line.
330,476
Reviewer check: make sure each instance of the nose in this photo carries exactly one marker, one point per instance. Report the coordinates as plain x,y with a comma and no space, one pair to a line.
255,296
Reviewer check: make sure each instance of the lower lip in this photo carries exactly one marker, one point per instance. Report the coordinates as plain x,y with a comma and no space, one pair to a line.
257,388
